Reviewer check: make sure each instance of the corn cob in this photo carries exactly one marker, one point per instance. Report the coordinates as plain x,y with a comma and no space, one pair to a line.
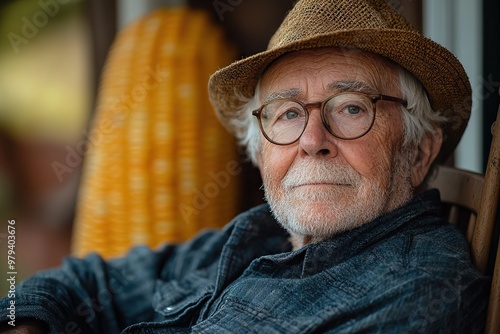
159,138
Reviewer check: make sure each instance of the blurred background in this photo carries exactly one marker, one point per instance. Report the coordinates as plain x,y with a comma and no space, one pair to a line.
53,56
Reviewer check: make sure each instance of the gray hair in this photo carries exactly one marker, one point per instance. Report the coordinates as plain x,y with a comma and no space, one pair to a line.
418,117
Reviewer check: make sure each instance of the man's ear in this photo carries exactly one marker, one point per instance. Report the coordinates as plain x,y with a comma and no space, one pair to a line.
424,155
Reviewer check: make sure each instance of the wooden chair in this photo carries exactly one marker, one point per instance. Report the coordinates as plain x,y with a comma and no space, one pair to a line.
471,203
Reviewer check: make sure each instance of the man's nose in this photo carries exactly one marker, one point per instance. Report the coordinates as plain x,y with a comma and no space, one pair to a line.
316,140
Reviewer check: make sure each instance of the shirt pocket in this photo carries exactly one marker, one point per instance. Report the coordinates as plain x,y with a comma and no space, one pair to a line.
177,298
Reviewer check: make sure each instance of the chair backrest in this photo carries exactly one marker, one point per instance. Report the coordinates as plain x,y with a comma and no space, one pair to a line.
471,202
461,196
488,210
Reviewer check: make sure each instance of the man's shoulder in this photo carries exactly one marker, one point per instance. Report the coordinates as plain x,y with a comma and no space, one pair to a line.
428,245
428,262
422,238
442,246
425,265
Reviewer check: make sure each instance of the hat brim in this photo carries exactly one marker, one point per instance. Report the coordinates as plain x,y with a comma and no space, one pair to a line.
438,70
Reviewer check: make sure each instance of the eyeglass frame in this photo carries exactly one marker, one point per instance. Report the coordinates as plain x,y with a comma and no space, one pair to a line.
321,105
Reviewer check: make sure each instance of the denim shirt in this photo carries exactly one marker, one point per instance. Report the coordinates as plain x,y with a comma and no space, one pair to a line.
408,271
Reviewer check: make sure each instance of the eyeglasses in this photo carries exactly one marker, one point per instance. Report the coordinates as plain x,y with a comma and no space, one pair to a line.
347,115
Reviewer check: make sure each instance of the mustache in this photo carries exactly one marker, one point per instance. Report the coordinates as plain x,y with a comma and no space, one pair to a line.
320,171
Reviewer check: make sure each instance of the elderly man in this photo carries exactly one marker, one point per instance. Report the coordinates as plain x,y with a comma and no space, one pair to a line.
344,114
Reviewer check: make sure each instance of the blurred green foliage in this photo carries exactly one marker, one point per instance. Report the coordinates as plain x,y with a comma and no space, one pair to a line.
33,16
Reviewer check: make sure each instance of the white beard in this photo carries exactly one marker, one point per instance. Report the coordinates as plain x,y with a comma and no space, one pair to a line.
320,212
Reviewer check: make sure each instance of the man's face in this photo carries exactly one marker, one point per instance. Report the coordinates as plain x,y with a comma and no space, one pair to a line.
321,185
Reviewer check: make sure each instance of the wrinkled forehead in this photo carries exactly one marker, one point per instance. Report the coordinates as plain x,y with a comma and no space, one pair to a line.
346,64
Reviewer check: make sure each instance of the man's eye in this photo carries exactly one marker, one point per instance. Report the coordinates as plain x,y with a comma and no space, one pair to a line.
290,114
353,110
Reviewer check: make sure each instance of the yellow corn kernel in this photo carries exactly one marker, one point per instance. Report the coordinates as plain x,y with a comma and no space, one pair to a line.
160,142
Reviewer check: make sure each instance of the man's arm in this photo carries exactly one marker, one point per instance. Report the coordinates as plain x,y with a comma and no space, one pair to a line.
88,294
96,296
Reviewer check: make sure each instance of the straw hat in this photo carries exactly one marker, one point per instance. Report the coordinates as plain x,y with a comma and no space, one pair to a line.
369,25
